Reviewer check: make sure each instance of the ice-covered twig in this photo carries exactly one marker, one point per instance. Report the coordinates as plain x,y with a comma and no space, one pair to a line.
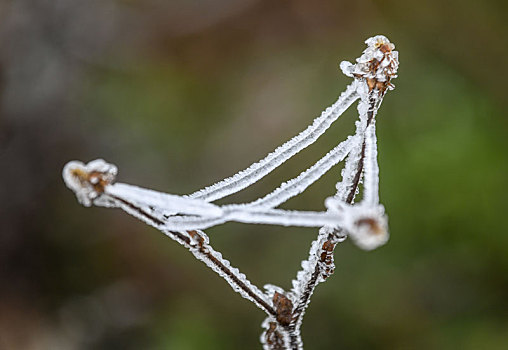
258,170
92,183
320,263
374,70
299,184
350,173
371,177
365,221
94,180
163,201
258,216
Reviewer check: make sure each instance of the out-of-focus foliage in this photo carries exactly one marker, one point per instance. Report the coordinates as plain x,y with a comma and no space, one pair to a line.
180,94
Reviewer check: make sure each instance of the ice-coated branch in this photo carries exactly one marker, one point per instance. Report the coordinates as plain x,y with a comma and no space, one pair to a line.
258,170
92,183
346,189
375,69
258,216
95,179
163,201
371,177
319,265
299,184
202,214
197,243
296,185
182,217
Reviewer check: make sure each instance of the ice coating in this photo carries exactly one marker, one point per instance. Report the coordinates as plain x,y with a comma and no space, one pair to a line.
237,280
299,184
371,174
365,222
88,181
198,244
163,201
282,153
304,275
377,65
93,183
344,187
255,216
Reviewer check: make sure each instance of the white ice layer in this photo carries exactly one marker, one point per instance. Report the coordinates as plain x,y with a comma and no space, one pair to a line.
257,216
365,222
262,168
371,173
367,226
163,201
299,184
241,278
344,187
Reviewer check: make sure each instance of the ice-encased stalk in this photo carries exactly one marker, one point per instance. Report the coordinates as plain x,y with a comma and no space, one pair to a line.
371,173
282,153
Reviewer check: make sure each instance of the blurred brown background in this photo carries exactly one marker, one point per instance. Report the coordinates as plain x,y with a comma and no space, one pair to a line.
180,94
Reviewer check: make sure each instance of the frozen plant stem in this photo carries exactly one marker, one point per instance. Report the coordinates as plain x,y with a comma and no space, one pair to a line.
327,240
375,68
258,170
183,217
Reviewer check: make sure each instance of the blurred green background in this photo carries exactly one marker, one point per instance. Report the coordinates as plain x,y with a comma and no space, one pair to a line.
179,94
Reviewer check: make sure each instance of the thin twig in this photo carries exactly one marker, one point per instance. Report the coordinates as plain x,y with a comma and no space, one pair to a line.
203,252
364,222
331,238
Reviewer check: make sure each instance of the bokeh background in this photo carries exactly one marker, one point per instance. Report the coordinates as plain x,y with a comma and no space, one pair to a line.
179,94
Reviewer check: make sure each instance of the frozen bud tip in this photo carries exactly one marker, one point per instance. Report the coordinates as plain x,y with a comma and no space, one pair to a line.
369,228
88,180
366,225
377,65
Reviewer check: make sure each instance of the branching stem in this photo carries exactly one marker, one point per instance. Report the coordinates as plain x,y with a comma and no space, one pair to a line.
182,217
374,101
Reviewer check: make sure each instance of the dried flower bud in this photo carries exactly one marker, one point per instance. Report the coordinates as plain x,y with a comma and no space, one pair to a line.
88,181
377,65
284,308
370,231
366,225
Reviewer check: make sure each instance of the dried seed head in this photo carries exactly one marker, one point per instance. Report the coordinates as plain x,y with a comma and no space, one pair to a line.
88,181
366,225
377,65
284,308
369,228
